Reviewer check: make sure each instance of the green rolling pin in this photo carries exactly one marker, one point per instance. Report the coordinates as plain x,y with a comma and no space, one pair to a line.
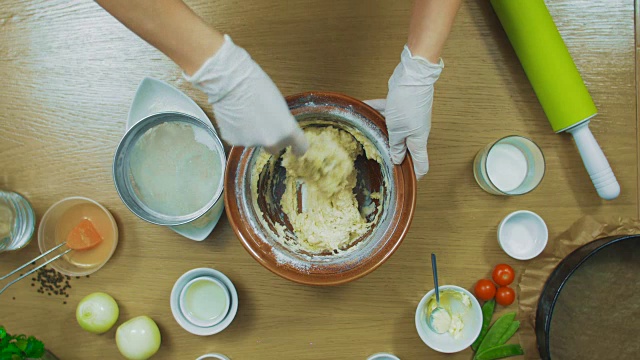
556,82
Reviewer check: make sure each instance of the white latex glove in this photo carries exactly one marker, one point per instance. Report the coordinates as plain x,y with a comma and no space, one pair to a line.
248,107
408,109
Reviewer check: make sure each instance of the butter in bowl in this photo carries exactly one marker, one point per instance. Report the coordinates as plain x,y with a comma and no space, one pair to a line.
465,324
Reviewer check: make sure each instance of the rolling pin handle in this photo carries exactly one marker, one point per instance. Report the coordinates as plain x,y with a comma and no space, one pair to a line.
595,162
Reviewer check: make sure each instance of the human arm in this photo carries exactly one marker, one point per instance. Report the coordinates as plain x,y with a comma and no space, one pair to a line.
411,87
431,23
171,27
249,108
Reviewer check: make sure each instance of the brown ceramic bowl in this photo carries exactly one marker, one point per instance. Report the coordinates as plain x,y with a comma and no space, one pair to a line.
253,217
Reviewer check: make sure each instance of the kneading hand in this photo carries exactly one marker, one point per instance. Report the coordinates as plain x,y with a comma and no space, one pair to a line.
249,108
408,109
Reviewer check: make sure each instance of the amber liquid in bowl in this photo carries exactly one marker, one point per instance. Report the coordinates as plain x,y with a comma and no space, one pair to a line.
71,218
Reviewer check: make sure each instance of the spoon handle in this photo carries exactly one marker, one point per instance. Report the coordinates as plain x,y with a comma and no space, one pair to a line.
435,277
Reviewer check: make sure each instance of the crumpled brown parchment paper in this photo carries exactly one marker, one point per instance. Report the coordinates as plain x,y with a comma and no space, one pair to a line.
538,270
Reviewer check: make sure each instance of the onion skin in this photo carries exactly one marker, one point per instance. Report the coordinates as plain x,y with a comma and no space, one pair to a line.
97,312
138,338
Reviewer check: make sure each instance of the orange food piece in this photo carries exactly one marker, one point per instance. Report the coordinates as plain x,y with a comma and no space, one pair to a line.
84,236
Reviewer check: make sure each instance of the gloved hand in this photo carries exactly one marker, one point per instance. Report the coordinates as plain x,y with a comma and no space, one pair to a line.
249,108
408,109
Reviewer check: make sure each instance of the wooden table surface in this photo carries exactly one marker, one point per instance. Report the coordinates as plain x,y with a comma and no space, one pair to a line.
69,72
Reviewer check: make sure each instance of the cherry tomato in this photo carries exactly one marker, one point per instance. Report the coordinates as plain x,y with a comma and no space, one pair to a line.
503,274
485,290
505,296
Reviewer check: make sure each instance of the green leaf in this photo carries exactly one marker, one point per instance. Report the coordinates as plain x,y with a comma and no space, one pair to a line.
19,347
21,344
5,342
12,348
5,338
35,348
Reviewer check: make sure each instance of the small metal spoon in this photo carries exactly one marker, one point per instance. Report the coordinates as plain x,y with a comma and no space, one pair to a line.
438,309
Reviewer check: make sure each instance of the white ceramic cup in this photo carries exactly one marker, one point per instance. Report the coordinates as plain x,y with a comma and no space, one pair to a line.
195,320
523,235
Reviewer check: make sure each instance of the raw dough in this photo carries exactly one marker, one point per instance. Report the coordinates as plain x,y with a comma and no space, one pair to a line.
330,219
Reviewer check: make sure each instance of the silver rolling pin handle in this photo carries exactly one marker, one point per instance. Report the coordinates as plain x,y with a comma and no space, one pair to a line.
595,162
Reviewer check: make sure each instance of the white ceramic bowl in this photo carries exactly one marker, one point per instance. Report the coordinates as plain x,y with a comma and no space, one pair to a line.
445,343
183,321
523,235
213,356
195,320
383,356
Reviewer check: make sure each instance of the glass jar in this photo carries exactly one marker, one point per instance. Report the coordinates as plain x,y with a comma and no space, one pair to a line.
17,221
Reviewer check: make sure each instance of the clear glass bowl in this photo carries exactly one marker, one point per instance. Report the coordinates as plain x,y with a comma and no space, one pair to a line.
60,218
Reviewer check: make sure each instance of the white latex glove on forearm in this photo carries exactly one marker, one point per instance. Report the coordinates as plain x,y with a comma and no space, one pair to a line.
248,107
408,109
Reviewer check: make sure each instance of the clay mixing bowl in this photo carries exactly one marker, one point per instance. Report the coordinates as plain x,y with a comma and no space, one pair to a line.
254,215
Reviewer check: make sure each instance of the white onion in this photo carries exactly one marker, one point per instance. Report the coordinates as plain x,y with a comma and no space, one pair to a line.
138,338
97,312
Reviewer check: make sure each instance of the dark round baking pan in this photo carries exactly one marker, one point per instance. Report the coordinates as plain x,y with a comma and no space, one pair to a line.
589,307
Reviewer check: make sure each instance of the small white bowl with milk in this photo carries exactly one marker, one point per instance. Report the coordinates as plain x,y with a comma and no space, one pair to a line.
204,301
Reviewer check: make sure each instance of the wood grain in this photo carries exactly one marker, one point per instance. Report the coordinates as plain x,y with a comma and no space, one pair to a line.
637,32
69,74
